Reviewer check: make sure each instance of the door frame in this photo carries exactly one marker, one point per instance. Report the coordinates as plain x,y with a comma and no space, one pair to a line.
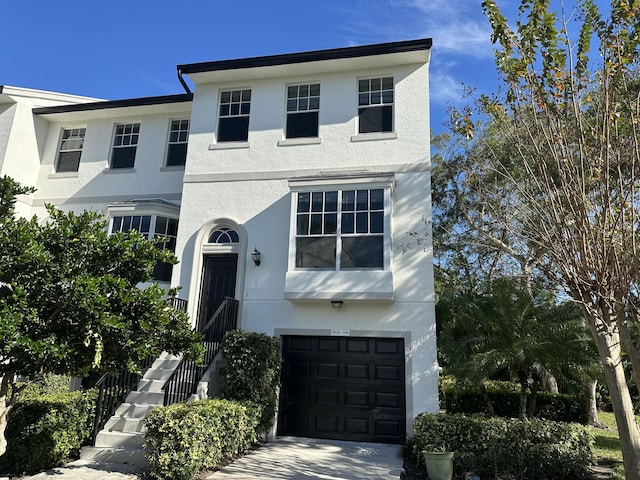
202,248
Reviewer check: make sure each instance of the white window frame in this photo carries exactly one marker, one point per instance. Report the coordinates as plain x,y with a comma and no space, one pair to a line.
230,114
178,141
62,149
303,104
131,136
374,103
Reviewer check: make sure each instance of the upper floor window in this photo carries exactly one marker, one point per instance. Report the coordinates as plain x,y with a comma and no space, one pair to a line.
177,147
151,226
70,150
375,105
125,143
341,229
233,117
303,106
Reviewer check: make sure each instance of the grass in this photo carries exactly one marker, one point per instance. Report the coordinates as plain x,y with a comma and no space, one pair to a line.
607,445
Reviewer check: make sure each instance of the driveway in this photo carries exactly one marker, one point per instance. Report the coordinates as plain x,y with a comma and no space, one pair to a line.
305,459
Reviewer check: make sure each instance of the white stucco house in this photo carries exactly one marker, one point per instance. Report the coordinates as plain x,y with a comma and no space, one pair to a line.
320,162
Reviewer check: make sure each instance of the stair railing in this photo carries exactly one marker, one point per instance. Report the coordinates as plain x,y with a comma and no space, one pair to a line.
114,388
183,382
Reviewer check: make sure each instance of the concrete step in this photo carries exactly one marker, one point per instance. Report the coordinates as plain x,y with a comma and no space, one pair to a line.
169,363
115,455
134,410
149,398
158,374
126,440
150,385
125,424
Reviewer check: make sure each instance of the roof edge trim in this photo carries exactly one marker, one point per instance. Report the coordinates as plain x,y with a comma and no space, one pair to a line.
130,102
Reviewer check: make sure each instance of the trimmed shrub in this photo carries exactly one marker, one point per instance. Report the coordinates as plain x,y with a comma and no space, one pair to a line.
505,398
44,430
185,438
496,447
252,371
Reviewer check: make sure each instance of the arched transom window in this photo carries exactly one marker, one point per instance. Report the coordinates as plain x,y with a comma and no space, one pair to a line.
224,235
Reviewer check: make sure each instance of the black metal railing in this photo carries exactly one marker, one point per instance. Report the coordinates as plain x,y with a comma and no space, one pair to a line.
114,388
184,380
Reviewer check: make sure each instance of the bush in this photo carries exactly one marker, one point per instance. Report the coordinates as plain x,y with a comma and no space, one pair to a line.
495,447
252,371
45,430
185,438
505,399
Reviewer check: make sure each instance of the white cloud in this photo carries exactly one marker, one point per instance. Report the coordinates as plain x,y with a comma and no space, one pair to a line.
444,88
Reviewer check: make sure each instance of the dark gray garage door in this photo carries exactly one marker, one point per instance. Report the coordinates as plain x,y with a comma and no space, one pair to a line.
343,388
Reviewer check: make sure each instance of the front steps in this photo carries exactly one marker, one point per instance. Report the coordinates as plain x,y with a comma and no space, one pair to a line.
121,439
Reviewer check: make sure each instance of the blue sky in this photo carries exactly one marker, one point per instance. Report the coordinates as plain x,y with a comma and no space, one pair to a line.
126,49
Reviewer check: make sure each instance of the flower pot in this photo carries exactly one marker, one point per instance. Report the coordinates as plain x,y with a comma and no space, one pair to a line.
439,465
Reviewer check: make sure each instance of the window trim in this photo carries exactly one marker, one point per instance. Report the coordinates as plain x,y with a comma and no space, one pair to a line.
59,150
220,116
169,143
288,113
117,147
384,182
372,134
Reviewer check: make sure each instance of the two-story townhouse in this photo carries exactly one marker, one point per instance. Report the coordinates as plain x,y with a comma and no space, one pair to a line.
317,163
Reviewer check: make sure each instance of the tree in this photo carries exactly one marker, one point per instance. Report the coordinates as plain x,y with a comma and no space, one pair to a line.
563,135
71,299
490,328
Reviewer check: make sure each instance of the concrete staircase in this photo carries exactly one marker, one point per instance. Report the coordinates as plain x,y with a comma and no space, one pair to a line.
121,439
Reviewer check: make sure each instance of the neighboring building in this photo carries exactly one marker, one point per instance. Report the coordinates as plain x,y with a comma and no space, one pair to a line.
319,161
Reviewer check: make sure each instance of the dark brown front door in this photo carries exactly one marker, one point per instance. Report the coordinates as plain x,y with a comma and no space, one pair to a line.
218,281
343,388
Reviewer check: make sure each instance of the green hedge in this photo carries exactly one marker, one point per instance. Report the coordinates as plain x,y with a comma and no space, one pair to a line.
185,438
252,371
44,430
506,402
496,447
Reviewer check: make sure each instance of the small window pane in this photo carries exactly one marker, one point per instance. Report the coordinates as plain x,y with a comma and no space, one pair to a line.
302,225
316,224
172,228
363,86
377,199
161,225
348,200
376,224
117,224
225,97
331,202
347,223
362,222
303,201
330,223
362,252
292,92
317,201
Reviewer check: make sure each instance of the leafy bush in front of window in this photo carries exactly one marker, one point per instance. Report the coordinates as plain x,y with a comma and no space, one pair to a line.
185,438
496,447
45,429
252,371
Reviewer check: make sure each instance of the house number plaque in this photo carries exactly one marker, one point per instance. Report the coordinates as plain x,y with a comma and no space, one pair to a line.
340,333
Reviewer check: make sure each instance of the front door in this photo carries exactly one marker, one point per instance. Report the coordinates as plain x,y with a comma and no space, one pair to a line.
218,281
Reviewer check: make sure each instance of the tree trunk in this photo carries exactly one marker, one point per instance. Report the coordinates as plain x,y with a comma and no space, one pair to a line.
608,342
591,388
5,408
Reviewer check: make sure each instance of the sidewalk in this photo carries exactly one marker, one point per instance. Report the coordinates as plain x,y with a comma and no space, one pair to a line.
85,470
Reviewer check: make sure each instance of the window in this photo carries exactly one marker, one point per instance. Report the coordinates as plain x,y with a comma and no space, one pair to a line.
125,143
303,105
177,148
233,119
340,229
375,105
151,226
70,150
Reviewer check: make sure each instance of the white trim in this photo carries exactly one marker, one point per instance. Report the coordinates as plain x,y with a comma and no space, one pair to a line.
370,137
289,142
228,145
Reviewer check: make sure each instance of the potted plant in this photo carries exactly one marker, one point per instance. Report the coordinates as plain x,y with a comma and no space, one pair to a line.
439,462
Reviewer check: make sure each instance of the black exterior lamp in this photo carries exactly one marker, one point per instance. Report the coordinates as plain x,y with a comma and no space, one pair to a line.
255,256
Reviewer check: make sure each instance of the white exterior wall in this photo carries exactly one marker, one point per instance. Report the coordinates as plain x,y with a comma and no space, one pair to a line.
250,187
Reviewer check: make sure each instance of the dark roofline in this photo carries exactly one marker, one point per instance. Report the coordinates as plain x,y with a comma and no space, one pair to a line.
129,102
312,56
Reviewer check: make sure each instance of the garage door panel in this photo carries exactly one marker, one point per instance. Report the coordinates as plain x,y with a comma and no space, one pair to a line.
349,388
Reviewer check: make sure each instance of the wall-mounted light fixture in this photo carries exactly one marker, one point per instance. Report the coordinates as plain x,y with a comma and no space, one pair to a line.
255,256
336,303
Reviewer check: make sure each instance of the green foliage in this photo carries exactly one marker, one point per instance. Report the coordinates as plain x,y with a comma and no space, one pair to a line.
70,300
185,438
252,371
470,399
508,448
44,430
